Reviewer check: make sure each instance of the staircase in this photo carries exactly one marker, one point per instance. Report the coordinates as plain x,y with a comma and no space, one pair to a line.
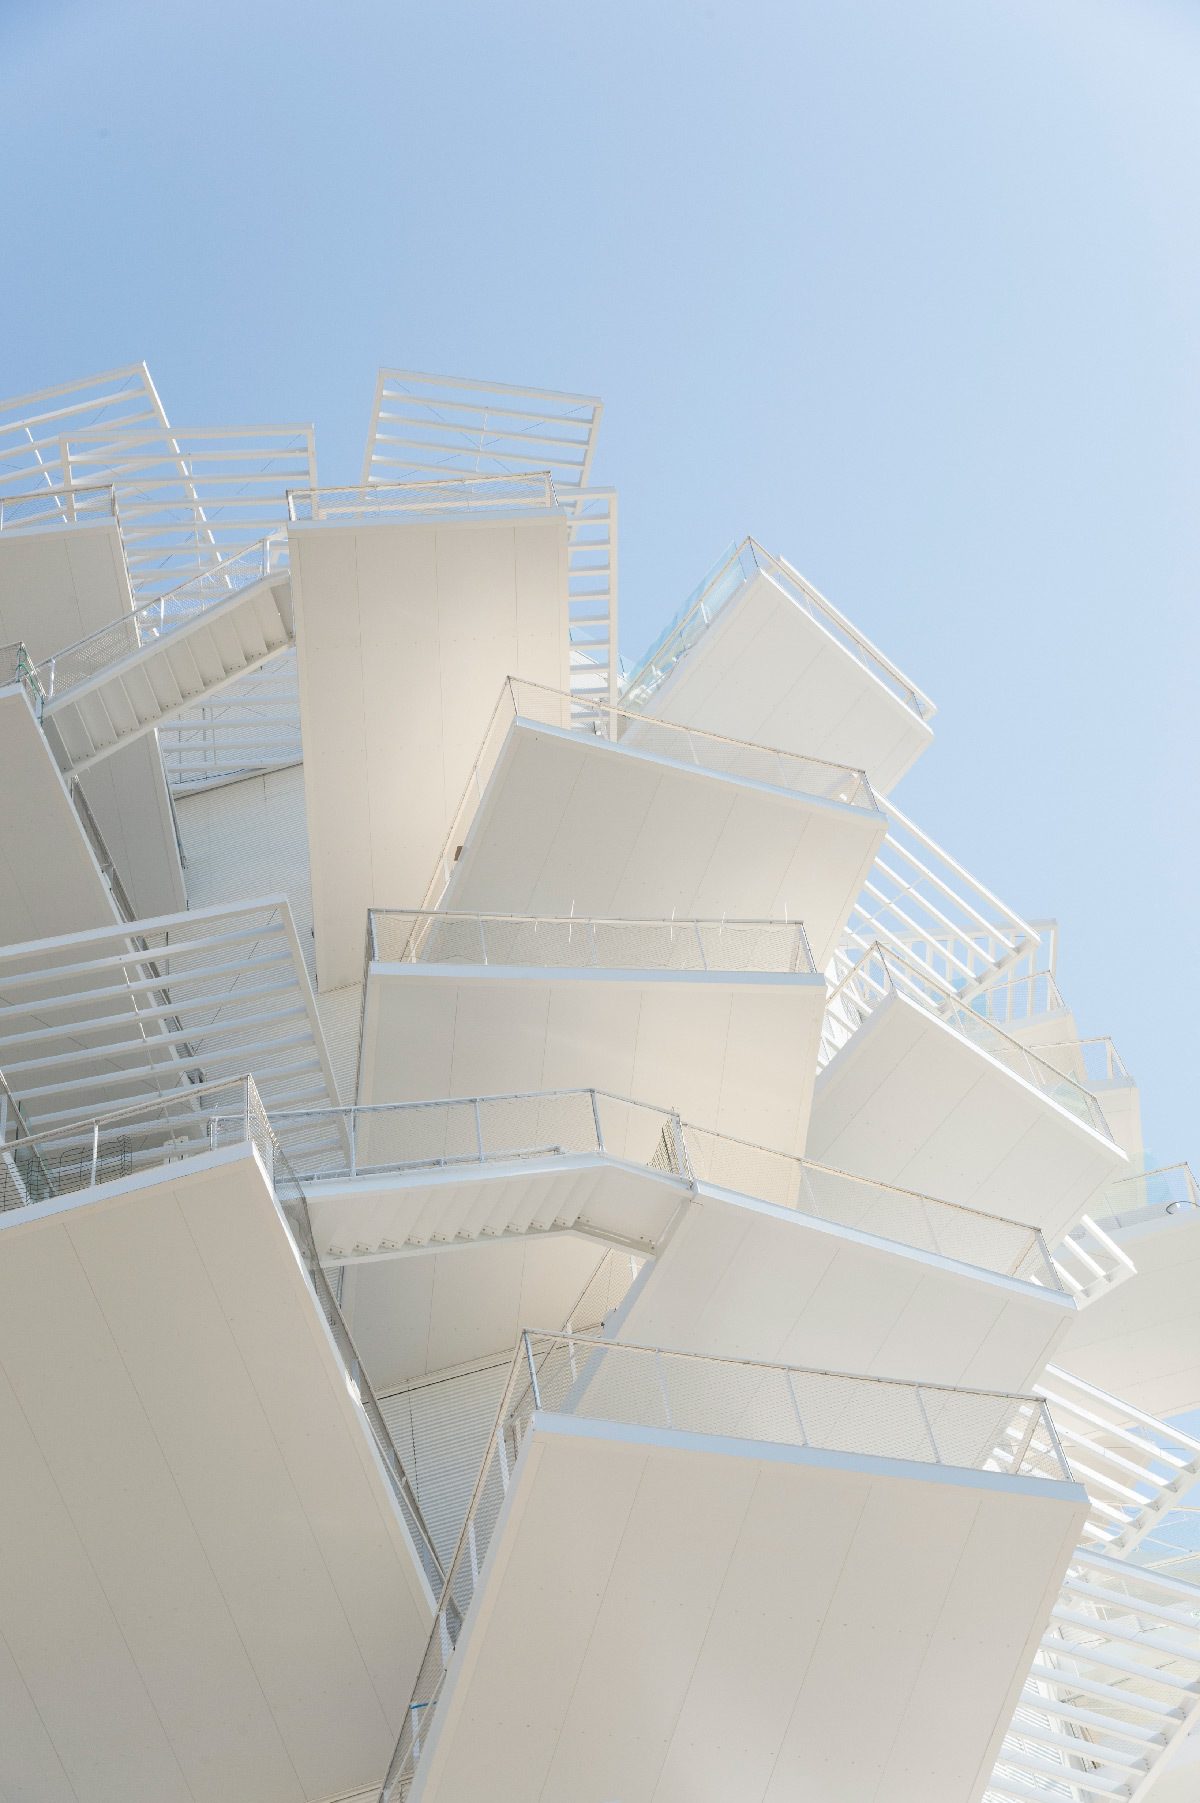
169,654
1116,1678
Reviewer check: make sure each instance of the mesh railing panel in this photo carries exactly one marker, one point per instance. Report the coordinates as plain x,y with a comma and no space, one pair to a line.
57,507
963,1234
467,494
125,1142
401,936
155,619
647,1387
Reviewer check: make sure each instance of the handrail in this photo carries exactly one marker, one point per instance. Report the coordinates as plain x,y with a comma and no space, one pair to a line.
428,935
58,506
107,1147
851,1000
454,495
594,718
332,1144
88,657
734,571
634,1385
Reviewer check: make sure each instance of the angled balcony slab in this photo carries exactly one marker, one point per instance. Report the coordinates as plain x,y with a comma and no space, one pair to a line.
644,1593
576,804
723,1017
50,873
927,1094
61,580
201,1528
1142,1342
743,1251
756,653
406,628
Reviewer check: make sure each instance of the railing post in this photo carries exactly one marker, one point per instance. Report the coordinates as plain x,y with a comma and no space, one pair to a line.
700,945
595,1117
95,1151
478,1131
537,1395
482,940
681,1152
937,1457
354,1142
796,1405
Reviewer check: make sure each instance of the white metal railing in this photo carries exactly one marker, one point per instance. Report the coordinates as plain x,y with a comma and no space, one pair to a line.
1015,999
57,507
124,1142
365,1141
428,936
425,425
580,714
1149,1196
155,620
1089,1262
879,972
41,1167
926,906
1115,1684
590,515
733,572
648,1386
1135,1467
1085,1060
452,495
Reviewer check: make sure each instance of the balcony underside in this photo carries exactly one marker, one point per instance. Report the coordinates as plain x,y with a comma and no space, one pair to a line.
411,1317
50,881
742,1279
1142,1341
909,1101
736,1053
569,822
733,1276
767,672
650,1625
206,1592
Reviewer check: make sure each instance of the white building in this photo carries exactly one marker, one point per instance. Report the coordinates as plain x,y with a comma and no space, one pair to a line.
554,1245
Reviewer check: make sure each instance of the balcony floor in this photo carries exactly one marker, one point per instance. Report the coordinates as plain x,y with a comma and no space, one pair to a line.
767,671
569,822
651,1626
736,1053
201,1550
910,1102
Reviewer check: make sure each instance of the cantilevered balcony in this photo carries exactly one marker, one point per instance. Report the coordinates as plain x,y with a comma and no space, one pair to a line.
751,1252
1144,1340
756,653
631,1611
207,1521
721,1016
572,802
920,1089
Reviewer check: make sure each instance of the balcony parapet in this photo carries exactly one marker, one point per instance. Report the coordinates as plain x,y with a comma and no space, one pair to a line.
381,1139
729,576
132,1142
575,712
453,498
580,942
66,506
880,971
1149,1196
649,1387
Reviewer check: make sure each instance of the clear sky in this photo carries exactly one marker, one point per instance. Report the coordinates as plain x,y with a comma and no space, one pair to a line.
909,291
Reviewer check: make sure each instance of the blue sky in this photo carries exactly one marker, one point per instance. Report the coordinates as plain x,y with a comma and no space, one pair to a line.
908,291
